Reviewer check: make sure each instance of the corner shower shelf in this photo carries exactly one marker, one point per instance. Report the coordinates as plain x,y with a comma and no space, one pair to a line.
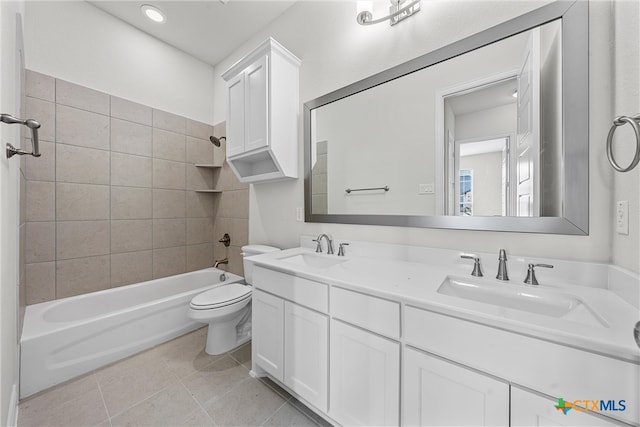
208,191
208,166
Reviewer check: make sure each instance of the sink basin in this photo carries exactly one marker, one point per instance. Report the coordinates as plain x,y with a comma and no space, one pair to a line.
519,297
314,261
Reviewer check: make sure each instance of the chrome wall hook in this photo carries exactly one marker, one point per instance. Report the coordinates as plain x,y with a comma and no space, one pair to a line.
31,124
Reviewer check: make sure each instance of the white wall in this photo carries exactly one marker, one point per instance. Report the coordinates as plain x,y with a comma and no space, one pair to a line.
9,176
335,51
626,102
487,182
77,42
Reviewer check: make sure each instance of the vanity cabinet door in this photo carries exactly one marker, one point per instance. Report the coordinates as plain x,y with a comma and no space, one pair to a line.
529,409
365,377
268,333
440,393
306,353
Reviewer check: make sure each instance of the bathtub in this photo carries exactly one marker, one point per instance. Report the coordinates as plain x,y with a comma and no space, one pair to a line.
65,338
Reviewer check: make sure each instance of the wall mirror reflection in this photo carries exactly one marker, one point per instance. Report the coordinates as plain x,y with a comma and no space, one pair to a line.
477,139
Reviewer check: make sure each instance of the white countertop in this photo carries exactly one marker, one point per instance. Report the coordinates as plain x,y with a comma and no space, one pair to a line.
416,284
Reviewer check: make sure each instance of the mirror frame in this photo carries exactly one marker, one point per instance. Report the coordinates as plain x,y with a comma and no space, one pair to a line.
575,119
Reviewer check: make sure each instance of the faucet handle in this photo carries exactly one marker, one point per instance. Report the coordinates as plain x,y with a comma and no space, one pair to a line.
341,248
477,270
318,245
531,273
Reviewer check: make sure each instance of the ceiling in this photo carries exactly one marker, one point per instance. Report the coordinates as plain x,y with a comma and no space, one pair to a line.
207,29
484,97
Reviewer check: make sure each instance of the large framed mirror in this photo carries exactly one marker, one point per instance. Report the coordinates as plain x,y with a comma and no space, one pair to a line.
488,133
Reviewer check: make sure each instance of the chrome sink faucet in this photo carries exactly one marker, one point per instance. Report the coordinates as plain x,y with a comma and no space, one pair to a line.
329,244
502,266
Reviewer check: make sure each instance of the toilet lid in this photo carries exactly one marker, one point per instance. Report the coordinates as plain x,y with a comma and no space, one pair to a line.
221,296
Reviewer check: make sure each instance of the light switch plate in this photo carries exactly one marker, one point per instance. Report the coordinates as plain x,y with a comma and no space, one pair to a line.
425,189
622,217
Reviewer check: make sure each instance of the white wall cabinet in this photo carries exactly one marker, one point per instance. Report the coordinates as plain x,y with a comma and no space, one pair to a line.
440,393
364,378
262,114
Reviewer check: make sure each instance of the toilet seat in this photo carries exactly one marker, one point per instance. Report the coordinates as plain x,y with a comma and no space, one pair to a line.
221,296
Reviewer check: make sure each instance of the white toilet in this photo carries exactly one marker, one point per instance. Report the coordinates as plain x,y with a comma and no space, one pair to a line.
227,308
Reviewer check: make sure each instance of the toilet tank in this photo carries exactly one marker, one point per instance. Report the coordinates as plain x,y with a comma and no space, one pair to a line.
251,250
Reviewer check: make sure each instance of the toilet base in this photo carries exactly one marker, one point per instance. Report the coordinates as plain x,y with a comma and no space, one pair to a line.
228,332
222,340
217,349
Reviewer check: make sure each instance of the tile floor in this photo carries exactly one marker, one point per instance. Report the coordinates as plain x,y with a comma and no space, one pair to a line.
173,384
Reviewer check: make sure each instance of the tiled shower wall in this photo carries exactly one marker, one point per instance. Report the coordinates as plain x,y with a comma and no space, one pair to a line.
112,200
232,212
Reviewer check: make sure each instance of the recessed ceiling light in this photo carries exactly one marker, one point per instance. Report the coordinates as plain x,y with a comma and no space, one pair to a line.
153,13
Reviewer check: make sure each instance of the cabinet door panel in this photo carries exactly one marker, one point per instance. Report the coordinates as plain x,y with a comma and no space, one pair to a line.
268,333
257,105
305,353
439,393
529,409
235,115
365,377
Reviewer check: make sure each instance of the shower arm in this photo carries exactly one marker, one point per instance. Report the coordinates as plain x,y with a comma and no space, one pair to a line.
31,124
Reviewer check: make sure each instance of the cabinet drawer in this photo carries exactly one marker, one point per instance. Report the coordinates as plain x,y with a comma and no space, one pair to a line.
372,313
314,295
552,369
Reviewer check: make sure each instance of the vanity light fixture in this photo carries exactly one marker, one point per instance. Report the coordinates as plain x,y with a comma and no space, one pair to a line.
398,11
153,13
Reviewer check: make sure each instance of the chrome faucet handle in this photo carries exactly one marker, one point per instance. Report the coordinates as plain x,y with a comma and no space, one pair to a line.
318,245
341,248
477,270
531,273
502,266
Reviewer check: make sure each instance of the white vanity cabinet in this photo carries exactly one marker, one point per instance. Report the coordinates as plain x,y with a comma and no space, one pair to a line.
262,114
440,393
365,377
290,340
365,359
268,333
305,353
529,409
544,367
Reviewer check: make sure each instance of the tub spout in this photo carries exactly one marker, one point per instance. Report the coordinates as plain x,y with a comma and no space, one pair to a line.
222,261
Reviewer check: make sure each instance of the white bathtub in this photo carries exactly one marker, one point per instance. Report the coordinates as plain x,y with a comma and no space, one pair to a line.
65,338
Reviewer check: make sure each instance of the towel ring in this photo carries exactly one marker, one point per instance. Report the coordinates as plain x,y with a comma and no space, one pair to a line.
619,121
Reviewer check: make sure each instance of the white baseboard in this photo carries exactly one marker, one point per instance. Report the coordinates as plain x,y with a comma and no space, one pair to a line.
12,415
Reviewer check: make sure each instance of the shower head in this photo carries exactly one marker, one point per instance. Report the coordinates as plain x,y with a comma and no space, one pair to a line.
216,141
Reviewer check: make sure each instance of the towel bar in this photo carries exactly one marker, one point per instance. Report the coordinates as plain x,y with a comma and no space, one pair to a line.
634,121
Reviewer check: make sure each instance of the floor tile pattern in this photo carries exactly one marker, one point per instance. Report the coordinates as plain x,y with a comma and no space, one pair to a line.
173,384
